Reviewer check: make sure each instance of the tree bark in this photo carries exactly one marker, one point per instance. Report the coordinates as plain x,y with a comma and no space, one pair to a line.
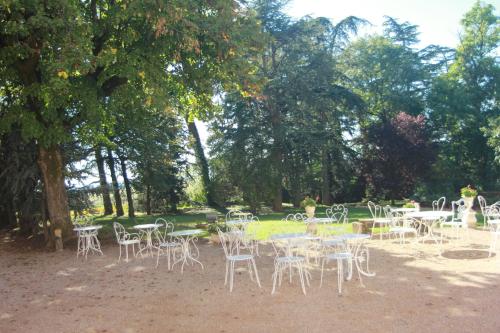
116,189
52,169
148,199
106,199
326,196
203,163
128,190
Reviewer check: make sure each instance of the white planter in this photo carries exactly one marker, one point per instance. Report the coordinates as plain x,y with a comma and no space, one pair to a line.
310,211
469,202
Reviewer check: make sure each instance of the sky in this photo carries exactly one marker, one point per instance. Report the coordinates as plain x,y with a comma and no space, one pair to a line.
438,21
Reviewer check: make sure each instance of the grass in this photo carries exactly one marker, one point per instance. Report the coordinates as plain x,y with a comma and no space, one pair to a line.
270,223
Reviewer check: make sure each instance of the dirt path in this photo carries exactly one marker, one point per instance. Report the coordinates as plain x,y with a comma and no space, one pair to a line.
414,290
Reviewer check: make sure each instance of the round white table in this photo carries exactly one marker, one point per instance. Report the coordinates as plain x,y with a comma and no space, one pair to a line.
147,231
361,255
87,240
404,210
428,219
318,220
187,239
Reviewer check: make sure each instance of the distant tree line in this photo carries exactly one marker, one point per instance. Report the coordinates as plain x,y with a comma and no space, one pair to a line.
294,107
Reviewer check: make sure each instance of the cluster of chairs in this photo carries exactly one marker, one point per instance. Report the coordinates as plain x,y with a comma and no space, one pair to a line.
292,252
165,244
397,223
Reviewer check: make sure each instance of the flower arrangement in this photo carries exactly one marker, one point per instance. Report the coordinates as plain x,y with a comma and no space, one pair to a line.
468,192
410,204
308,202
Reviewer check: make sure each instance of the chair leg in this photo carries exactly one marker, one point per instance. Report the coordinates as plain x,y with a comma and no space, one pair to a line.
340,274
158,257
322,268
120,256
231,282
256,273
126,251
227,272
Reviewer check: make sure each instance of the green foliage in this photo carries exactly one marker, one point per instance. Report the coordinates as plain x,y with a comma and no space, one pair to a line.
308,202
468,192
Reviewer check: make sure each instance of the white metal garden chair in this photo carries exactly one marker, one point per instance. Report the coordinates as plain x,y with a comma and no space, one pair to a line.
438,205
336,250
378,216
457,223
285,258
125,239
492,214
338,213
400,225
232,251
166,244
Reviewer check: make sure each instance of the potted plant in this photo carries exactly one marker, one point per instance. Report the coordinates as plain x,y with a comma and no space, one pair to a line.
309,205
412,204
468,194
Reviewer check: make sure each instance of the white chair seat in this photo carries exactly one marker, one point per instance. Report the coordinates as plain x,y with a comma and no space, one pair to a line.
169,244
240,257
290,259
332,242
454,224
402,229
129,241
340,255
382,220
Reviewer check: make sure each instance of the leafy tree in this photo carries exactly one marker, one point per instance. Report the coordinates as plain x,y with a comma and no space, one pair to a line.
399,154
464,100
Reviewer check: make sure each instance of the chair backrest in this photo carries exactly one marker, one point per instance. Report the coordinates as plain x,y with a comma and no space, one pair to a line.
492,213
457,207
482,203
375,210
233,215
438,205
163,228
337,213
120,231
230,244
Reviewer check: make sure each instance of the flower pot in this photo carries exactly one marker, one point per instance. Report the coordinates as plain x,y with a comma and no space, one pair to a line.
310,211
469,202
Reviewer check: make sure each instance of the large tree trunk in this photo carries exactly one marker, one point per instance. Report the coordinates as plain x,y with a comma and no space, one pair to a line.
128,190
277,160
148,199
114,181
106,199
202,162
7,214
326,196
52,169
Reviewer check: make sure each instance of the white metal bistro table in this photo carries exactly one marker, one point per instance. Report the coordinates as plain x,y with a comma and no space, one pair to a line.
318,220
187,238
361,255
404,210
87,240
147,230
428,219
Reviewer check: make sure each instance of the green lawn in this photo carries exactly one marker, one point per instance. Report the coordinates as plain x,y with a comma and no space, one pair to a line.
270,223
